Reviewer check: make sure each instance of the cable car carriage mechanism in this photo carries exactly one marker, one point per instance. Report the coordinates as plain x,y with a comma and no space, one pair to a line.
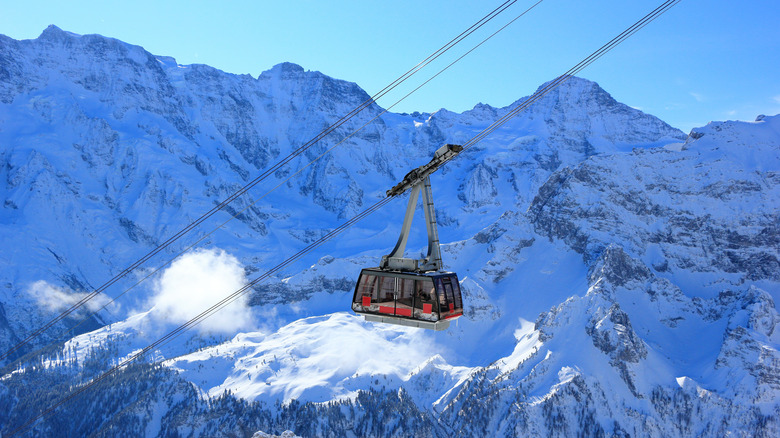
406,291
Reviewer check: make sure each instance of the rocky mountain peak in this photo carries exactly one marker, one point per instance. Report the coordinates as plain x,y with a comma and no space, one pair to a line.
285,70
53,32
330,89
82,46
617,267
582,102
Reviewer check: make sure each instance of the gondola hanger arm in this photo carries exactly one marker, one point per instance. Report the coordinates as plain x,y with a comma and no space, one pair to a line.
416,176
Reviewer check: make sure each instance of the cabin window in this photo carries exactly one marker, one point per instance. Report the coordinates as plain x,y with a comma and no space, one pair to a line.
407,297
457,294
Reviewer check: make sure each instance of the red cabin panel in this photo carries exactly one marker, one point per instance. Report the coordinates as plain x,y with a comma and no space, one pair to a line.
403,311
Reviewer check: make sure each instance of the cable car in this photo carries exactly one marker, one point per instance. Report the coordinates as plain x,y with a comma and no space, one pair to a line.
425,300
406,291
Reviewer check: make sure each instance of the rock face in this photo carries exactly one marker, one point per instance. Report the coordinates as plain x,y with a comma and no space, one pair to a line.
701,208
620,278
668,299
618,390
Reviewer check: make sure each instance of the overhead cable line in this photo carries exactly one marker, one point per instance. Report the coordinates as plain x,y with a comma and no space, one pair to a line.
473,28
256,200
235,295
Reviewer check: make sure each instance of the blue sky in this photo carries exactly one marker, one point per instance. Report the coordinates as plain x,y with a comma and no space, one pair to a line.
701,61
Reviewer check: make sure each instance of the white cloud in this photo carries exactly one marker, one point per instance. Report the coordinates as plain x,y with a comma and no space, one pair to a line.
57,299
196,282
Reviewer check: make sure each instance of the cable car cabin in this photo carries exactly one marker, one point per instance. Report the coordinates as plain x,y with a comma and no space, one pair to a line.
407,291
430,300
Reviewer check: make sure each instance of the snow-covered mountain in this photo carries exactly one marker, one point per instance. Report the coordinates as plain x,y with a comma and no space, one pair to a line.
620,278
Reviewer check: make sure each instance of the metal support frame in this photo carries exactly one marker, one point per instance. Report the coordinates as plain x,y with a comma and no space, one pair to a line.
419,180
432,262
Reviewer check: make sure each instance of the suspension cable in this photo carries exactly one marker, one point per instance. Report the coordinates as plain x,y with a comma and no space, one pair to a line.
256,200
473,28
360,216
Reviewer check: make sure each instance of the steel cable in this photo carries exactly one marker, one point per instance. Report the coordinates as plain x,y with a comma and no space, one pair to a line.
297,152
227,300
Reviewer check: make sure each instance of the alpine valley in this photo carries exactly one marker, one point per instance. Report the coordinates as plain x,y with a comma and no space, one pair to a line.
620,277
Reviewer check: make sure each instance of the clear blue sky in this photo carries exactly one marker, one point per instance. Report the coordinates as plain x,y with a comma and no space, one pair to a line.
701,61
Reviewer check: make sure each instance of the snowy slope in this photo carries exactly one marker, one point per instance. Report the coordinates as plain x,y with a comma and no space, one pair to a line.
318,359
